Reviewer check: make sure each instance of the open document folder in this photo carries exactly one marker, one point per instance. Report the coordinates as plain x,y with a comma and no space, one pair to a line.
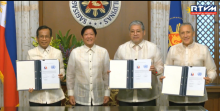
38,74
130,74
184,80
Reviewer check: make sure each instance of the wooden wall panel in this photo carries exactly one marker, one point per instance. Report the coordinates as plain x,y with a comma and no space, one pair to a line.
57,15
213,103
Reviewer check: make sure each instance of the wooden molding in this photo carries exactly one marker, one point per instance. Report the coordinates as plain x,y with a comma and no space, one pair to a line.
40,13
213,87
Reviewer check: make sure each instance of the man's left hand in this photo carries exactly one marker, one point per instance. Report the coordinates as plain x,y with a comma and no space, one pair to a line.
153,69
106,99
207,80
61,77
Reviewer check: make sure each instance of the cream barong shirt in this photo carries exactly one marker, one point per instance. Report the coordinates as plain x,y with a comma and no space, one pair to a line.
87,77
193,55
144,50
52,95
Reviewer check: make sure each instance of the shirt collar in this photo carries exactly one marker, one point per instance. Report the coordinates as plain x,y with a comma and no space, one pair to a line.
87,48
189,46
42,50
141,44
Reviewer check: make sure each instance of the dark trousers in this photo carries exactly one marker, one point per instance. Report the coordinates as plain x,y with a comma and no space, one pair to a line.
87,105
186,104
148,103
39,104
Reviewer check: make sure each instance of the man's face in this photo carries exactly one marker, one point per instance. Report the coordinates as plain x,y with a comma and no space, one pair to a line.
89,38
136,33
186,34
44,38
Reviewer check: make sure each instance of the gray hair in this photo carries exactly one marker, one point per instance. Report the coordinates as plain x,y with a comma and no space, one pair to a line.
186,23
137,22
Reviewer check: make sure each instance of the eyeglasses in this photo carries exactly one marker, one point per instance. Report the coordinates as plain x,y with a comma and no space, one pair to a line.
44,37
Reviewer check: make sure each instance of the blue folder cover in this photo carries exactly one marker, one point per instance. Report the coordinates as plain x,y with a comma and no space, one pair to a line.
38,83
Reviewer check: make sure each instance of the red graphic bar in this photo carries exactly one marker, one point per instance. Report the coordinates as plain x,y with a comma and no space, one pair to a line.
203,13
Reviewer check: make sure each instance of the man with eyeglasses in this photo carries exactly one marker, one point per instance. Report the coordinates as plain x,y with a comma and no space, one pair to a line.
138,48
51,97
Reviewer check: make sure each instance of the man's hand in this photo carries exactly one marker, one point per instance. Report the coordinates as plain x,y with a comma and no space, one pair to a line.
207,80
61,77
108,71
161,78
72,100
106,99
153,69
30,90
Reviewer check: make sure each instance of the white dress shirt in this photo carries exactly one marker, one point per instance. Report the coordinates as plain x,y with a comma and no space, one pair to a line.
144,50
193,55
87,77
52,95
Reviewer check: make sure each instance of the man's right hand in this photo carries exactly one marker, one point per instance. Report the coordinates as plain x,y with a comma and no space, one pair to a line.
161,78
108,71
30,90
72,100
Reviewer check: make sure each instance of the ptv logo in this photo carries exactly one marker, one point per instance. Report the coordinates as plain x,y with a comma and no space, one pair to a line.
202,10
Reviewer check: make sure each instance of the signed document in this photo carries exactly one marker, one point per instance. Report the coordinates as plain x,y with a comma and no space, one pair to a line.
37,74
184,80
130,74
195,82
49,74
142,75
